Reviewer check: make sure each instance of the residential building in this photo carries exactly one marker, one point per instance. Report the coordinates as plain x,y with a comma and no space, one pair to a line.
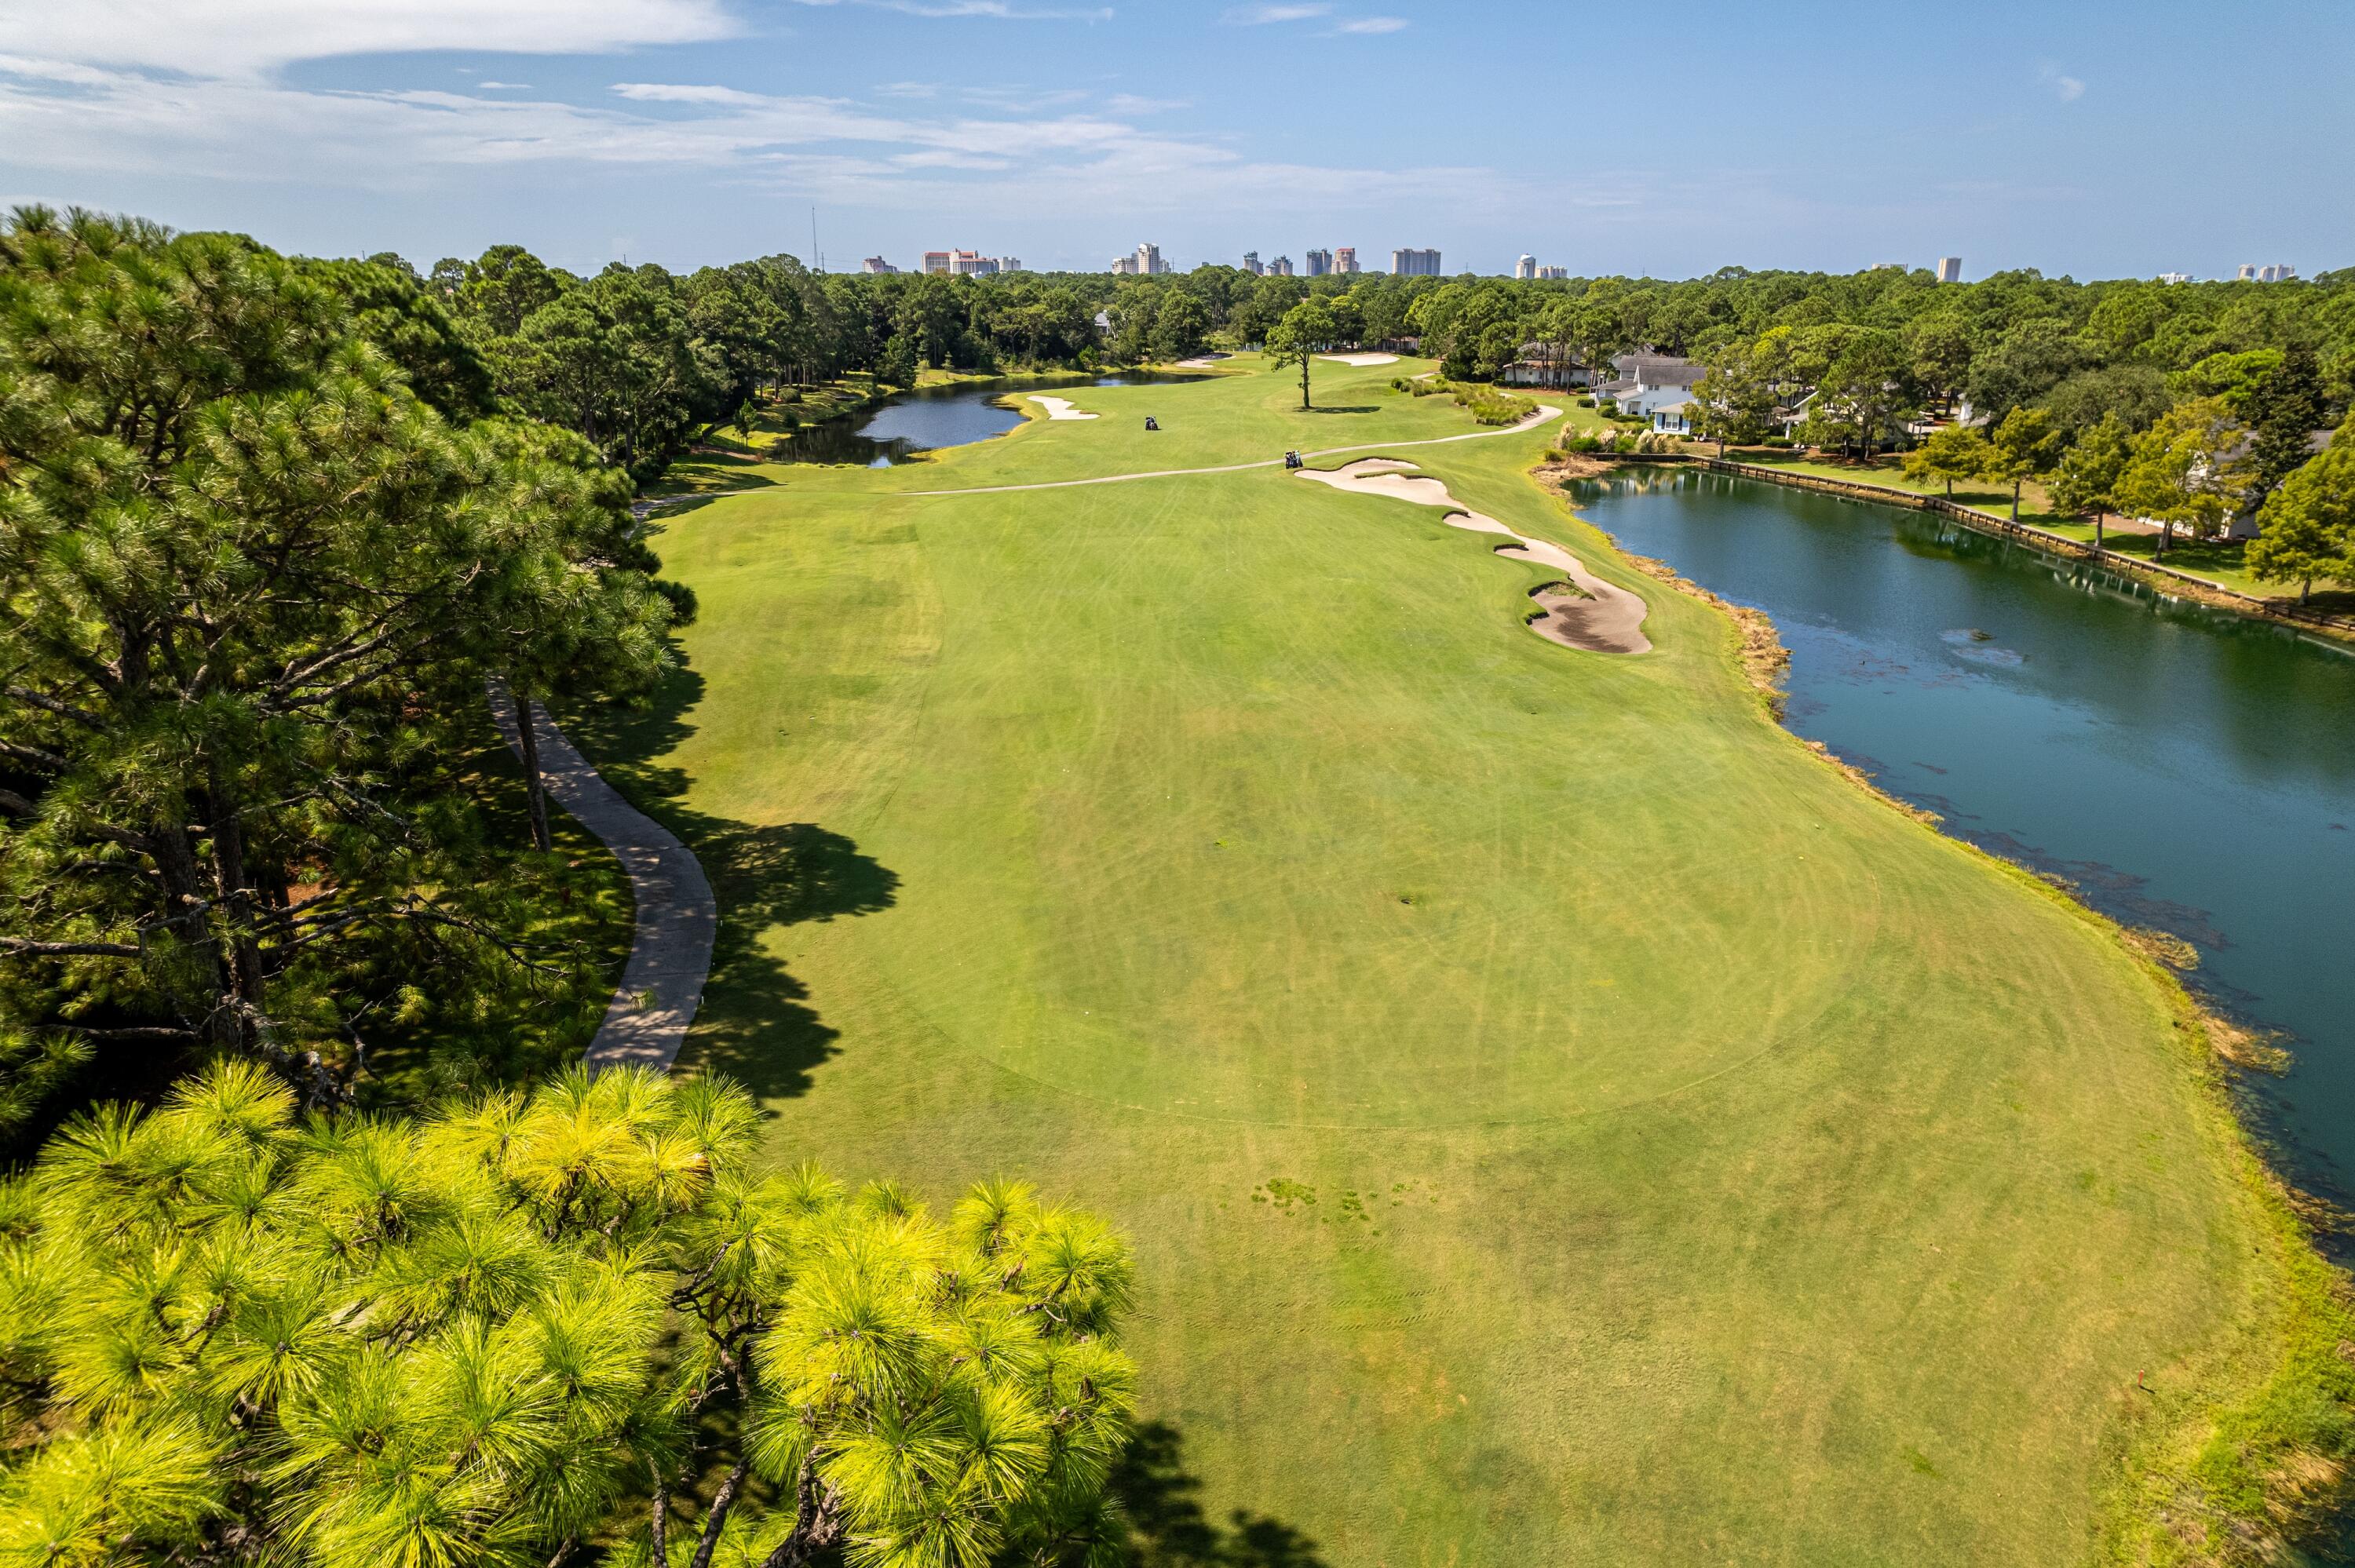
1280,268
1527,267
1553,273
2174,277
1009,263
1251,266
936,262
971,264
1950,269
1657,385
2254,274
1149,263
1125,265
877,264
1346,259
1413,263
1545,365
1318,263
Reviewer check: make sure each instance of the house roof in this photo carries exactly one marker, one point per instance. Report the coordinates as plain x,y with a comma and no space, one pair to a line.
1657,369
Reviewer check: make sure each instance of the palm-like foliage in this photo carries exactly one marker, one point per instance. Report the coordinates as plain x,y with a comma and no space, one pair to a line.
480,1339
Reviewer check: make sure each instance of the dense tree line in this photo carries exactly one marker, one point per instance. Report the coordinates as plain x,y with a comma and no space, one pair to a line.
635,359
263,538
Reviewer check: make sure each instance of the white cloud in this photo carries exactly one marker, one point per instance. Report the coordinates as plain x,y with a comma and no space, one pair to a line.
1129,104
982,161
1260,16
505,86
1371,25
2067,88
1002,10
251,38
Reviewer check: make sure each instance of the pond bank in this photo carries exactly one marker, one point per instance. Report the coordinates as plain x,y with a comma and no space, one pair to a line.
2158,577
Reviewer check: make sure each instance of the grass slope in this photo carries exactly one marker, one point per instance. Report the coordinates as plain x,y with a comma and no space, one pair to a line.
1560,1119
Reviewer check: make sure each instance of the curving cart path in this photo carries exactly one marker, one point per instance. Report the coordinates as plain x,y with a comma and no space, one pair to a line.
670,950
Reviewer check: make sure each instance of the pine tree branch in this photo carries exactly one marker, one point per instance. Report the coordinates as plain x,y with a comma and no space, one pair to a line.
47,704
659,1529
68,949
721,1501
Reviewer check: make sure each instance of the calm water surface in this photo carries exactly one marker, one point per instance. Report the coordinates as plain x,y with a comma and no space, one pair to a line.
2189,771
914,423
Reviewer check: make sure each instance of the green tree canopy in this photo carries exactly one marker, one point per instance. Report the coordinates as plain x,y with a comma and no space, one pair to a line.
1307,331
2188,469
255,587
2086,483
1953,452
2026,445
493,1336
2307,527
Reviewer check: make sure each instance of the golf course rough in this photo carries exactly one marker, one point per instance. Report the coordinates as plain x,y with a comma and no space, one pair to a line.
1560,1119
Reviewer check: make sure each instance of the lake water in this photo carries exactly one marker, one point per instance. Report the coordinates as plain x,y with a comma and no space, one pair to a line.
914,423
2187,770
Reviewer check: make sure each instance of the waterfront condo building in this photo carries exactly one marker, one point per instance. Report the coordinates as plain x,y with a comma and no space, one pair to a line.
936,262
1280,268
1149,263
1318,263
1527,267
1950,269
876,264
1411,263
1550,273
1250,264
1346,259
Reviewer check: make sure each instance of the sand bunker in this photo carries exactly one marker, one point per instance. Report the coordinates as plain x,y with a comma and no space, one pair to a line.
1599,616
1059,407
1361,359
1202,361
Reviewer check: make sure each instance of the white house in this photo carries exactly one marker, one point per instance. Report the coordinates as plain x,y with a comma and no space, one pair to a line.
1657,385
1540,366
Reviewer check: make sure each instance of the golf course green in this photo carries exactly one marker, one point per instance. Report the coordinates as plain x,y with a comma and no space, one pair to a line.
1560,1118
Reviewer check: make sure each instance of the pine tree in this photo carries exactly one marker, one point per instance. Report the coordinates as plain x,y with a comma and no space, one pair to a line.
529,1325
2283,410
255,585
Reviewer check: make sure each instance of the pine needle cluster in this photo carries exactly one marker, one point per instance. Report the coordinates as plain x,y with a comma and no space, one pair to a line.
528,1326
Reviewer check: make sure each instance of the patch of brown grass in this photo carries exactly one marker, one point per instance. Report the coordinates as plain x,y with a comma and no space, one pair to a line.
1764,658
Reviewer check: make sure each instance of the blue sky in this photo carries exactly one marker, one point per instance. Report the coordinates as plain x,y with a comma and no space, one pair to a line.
2100,140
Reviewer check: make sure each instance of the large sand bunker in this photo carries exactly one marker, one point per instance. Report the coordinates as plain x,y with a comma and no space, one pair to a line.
1059,407
1599,616
1361,359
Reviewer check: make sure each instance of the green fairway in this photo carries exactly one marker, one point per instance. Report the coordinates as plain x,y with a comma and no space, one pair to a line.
1560,1121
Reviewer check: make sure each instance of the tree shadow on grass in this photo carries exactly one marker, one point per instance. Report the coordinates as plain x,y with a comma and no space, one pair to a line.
757,1023
1167,1526
1343,409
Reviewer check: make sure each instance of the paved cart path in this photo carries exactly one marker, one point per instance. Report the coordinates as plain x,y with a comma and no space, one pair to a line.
670,951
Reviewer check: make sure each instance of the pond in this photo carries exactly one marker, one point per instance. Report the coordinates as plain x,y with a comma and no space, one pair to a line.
2187,770
913,423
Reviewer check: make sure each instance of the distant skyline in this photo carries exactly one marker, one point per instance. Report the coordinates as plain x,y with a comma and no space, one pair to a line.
2101,140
